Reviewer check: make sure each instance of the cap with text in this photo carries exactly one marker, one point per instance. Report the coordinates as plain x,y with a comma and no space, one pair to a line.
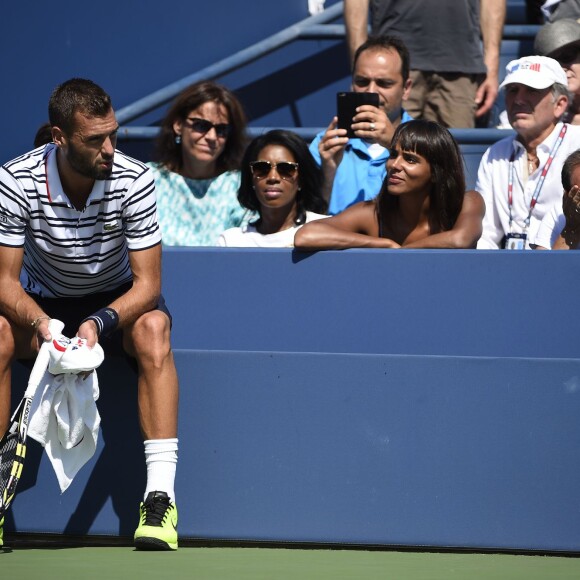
537,72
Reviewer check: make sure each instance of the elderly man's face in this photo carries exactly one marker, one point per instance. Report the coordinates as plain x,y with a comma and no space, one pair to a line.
531,112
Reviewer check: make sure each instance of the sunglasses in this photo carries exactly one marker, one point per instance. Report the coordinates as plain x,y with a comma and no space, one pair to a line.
285,169
204,126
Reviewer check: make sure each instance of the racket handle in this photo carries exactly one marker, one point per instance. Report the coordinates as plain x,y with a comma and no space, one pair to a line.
55,326
40,366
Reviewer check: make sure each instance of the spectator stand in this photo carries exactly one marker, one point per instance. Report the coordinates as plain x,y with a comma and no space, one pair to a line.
307,86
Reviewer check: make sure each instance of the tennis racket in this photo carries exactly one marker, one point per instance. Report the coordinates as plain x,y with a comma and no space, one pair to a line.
13,444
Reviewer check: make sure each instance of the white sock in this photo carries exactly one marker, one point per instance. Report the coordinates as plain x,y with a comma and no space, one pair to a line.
161,461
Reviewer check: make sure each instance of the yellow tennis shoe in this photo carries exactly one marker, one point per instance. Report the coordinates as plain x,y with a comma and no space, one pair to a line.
157,523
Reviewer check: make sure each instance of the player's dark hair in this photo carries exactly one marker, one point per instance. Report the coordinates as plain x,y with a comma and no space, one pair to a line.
77,95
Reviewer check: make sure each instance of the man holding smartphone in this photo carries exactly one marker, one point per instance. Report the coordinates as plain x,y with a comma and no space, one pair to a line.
354,169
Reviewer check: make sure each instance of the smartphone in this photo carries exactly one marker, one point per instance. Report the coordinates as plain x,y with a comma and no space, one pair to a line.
346,104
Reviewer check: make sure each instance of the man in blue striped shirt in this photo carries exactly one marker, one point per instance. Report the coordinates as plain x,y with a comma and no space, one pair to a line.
79,241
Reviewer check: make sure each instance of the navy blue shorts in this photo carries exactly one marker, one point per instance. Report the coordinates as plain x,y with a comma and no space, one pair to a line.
72,311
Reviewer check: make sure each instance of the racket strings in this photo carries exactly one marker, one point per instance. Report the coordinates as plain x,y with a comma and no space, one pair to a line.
8,455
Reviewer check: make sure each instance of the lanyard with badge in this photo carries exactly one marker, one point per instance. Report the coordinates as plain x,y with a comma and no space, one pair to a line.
517,241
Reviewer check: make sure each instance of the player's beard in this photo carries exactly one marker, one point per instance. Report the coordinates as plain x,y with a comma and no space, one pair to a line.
87,168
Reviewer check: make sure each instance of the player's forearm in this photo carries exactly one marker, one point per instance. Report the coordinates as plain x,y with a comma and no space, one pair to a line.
17,306
144,294
141,298
15,303
356,18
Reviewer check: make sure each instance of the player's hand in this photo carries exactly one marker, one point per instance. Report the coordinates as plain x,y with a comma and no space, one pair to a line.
331,146
88,331
42,332
371,123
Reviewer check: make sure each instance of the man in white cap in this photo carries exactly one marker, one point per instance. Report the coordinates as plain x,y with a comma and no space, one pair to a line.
560,40
519,177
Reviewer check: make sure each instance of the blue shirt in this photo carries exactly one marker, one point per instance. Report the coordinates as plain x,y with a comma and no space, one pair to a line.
358,177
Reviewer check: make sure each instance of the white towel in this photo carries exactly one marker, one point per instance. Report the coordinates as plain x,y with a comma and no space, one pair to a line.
64,415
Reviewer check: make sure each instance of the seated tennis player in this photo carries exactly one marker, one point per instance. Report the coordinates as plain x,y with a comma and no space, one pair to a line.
79,241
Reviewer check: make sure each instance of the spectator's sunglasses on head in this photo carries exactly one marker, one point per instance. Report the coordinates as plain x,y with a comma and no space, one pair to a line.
204,126
286,169
568,55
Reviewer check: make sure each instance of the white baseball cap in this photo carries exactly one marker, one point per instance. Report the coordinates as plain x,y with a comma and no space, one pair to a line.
537,72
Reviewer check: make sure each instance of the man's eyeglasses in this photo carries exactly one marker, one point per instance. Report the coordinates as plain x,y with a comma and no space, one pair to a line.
285,169
203,126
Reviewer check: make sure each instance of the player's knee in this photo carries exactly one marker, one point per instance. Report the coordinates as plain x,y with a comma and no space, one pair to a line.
4,326
151,332
7,345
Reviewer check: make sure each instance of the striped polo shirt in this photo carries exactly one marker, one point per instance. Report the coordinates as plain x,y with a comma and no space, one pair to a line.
68,252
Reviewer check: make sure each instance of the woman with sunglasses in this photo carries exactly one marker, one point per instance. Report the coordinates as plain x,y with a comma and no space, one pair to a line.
422,202
196,168
282,183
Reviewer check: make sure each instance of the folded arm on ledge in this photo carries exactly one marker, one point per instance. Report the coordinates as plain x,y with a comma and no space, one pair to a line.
357,227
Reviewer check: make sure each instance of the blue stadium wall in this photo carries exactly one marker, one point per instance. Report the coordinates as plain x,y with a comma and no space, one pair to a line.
134,48
397,398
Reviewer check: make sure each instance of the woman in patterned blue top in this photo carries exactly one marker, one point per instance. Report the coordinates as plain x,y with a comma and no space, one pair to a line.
196,166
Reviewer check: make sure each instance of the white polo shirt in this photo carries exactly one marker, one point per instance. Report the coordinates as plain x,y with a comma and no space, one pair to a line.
68,252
